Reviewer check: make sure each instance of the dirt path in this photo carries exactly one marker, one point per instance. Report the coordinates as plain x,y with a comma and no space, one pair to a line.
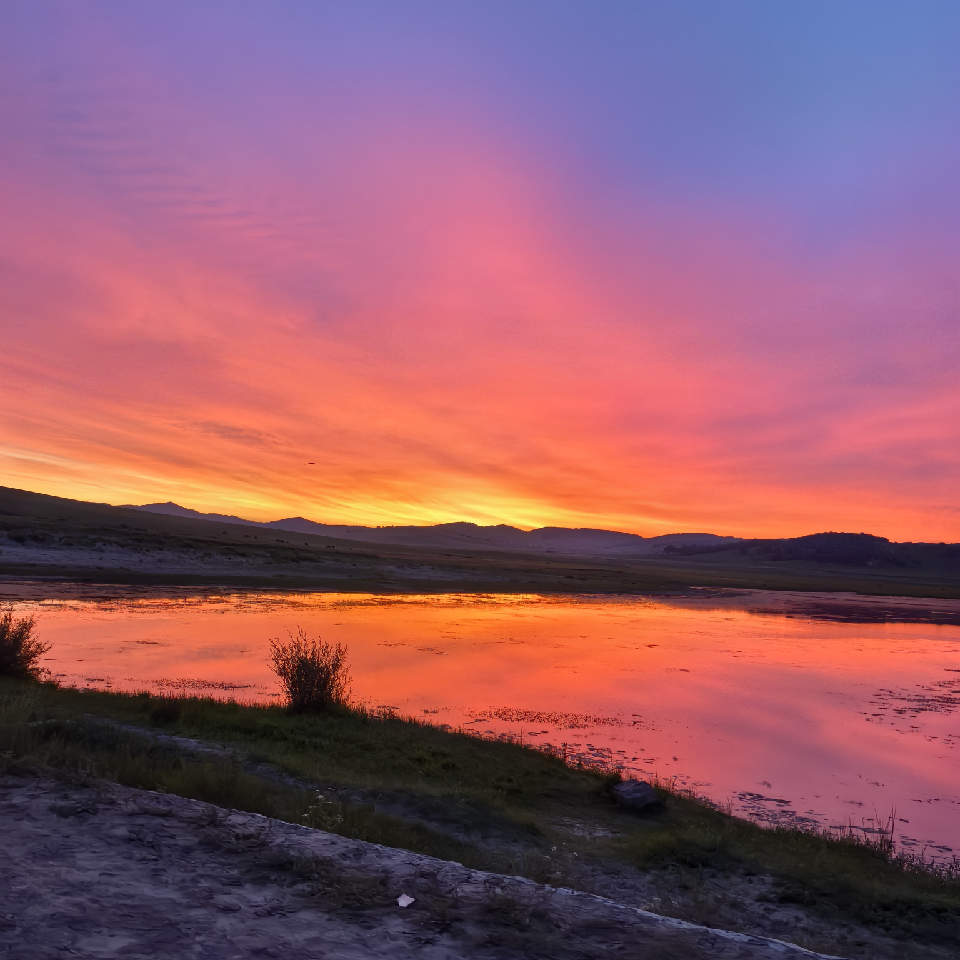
105,871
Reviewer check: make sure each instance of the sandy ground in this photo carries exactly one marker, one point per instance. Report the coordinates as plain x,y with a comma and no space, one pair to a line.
111,556
105,871
205,563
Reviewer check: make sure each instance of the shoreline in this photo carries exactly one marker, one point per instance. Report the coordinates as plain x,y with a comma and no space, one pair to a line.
426,792
843,606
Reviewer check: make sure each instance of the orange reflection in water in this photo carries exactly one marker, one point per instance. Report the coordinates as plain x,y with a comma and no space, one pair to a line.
792,719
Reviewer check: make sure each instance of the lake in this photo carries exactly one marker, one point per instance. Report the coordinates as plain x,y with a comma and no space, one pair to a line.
793,708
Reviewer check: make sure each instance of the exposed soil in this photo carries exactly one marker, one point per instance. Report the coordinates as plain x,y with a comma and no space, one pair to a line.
105,871
700,896
172,561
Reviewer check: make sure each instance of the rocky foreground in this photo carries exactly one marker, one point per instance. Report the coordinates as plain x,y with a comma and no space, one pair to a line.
106,871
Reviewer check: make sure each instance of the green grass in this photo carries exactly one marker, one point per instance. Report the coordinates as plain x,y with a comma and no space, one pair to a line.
484,803
348,747
37,735
839,876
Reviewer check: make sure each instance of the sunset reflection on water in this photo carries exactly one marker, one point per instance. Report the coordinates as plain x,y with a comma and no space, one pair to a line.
790,718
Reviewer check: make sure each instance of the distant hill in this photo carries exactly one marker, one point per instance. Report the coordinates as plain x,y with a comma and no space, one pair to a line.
850,549
44,538
171,509
568,541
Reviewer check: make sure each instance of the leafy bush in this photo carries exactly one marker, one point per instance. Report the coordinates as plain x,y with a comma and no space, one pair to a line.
313,673
19,648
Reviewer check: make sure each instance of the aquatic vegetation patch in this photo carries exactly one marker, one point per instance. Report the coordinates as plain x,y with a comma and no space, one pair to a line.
569,721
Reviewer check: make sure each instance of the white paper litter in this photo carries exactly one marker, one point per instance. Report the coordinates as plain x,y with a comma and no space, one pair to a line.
404,901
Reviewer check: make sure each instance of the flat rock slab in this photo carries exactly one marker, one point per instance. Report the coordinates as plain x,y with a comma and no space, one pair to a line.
111,872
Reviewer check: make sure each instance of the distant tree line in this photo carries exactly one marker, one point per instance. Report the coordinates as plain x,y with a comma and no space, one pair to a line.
850,549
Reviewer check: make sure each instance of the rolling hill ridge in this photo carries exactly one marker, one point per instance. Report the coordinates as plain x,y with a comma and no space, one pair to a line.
462,535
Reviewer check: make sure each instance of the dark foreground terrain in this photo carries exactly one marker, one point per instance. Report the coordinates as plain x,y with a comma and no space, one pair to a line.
49,538
110,871
182,827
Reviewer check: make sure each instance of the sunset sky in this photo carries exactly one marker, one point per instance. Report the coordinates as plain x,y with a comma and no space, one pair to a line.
649,266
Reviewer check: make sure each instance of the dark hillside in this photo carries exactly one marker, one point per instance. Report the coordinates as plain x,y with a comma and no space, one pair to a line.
53,538
861,549
573,541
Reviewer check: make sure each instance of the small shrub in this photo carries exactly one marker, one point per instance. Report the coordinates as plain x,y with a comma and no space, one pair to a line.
324,813
19,648
313,673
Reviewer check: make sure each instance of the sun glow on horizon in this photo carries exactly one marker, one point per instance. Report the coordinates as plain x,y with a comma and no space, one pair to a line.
689,283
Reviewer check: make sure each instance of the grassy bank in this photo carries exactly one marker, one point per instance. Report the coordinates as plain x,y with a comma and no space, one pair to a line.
486,804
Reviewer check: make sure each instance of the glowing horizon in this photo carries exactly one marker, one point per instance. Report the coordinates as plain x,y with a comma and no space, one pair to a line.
644,268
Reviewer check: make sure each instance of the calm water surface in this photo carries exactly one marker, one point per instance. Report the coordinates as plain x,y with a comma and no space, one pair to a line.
776,703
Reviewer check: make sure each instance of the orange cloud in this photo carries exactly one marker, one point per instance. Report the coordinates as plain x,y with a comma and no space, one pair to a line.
417,326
